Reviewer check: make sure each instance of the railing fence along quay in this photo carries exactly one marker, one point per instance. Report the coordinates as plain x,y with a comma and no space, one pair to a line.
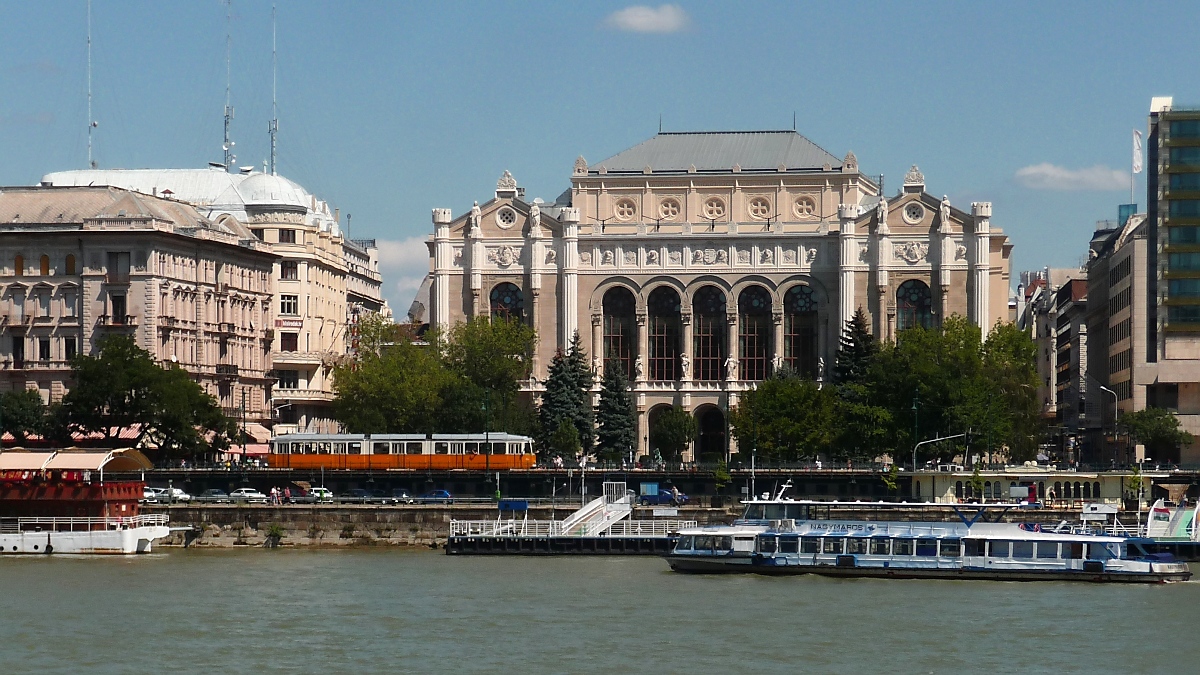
554,528
71,524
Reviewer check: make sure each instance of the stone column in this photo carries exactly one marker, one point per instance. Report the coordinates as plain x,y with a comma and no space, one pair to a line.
477,261
980,267
443,265
643,352
847,214
731,357
776,339
598,344
685,348
569,290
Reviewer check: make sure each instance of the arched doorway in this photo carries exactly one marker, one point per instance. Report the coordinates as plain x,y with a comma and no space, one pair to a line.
652,419
620,336
914,305
708,334
710,440
507,302
664,333
754,333
800,330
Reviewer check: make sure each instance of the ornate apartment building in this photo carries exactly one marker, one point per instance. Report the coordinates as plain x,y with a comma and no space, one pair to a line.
701,262
322,281
80,263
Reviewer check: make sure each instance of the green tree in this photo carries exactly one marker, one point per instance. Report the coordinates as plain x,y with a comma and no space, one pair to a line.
1158,430
616,416
568,396
22,413
492,352
673,431
121,388
564,442
398,390
785,418
856,349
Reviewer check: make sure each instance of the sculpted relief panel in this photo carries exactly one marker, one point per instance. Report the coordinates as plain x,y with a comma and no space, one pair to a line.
911,252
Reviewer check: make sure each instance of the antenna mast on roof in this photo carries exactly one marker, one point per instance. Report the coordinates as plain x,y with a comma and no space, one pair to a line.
91,123
227,146
273,127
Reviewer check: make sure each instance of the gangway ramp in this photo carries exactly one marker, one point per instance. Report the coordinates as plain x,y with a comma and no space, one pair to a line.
598,515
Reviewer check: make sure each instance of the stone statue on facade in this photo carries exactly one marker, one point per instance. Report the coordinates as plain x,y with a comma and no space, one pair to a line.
639,367
684,364
944,210
881,213
475,218
731,367
535,220
777,363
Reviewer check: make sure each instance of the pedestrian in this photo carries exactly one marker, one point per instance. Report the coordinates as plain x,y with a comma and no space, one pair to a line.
287,494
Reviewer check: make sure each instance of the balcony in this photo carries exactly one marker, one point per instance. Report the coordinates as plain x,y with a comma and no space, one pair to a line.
301,395
227,371
297,358
224,328
117,321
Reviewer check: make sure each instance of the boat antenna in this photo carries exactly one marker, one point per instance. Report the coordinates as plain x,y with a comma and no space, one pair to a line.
90,122
227,146
783,488
273,127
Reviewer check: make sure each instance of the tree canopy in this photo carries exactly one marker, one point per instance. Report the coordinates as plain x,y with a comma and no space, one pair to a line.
616,416
673,431
568,396
1157,429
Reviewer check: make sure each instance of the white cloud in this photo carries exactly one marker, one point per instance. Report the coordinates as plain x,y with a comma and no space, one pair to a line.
403,264
1047,176
644,19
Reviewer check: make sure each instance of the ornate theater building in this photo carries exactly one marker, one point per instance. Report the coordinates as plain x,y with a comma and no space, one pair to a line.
701,262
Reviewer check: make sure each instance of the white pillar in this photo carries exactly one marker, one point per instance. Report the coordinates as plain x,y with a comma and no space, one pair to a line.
980,267
569,292
847,214
443,265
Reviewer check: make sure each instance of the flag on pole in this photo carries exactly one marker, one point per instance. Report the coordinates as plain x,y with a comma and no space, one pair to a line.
1137,151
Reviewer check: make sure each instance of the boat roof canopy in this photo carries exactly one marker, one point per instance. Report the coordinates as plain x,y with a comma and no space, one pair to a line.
75,459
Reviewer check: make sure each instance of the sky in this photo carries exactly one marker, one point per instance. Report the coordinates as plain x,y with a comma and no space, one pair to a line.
388,109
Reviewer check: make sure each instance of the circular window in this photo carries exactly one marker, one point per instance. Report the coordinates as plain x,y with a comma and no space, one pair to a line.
506,217
760,208
624,210
805,207
913,213
669,209
714,207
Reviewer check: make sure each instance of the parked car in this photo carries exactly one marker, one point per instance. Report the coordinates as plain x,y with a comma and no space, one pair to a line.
249,495
175,495
298,495
663,497
436,497
321,494
151,495
214,496
356,496
399,496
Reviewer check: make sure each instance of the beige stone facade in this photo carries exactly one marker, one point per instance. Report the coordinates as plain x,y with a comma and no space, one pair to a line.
77,264
702,262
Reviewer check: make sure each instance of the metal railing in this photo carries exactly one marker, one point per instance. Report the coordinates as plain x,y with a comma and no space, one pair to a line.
83,524
554,528
648,528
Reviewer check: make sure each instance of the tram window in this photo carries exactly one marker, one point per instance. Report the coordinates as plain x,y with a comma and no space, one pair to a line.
775,512
927,547
789,545
831,545
497,448
457,448
413,448
354,448
339,448
767,544
810,544
999,549
973,547
951,548
723,543
902,547
856,545
397,448
704,543
880,546
684,544
441,448
382,448
308,448
1073,551
1047,549
473,448
1022,549
323,448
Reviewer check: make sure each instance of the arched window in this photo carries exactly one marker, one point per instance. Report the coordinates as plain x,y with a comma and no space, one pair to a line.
508,302
914,305
70,264
1087,490
710,441
708,333
665,329
45,266
754,333
620,335
987,489
19,265
958,489
1095,490
800,330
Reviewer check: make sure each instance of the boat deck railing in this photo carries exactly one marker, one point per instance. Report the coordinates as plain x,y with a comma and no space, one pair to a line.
555,528
80,524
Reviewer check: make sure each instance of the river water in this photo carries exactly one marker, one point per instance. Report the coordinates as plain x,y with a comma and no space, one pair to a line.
393,611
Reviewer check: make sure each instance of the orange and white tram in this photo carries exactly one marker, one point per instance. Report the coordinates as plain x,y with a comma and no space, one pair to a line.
487,452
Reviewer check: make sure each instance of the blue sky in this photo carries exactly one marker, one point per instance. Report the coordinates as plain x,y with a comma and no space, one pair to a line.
390,109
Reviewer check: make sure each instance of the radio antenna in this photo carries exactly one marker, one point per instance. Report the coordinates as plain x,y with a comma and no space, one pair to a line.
273,127
90,122
227,146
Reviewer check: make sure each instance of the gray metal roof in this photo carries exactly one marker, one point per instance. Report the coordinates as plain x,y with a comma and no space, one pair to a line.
719,151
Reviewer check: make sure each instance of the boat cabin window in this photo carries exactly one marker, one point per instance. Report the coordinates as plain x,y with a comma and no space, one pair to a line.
1047,549
723,543
789,544
927,547
1073,550
832,545
441,448
1022,549
684,543
1132,551
973,547
881,546
902,547
1101,551
810,544
857,545
382,448
753,512
951,548
413,448
999,549
767,544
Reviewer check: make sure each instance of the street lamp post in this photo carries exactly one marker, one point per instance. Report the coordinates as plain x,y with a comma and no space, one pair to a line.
1116,417
1142,491
916,395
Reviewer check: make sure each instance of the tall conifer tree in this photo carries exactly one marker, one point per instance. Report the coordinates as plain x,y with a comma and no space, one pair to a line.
568,395
855,350
616,417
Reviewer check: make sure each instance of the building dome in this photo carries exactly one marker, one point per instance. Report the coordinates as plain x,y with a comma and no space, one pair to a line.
268,192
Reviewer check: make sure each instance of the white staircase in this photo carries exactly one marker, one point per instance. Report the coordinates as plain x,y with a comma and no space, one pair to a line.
598,515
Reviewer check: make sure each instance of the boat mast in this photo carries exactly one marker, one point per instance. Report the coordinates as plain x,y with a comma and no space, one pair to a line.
227,146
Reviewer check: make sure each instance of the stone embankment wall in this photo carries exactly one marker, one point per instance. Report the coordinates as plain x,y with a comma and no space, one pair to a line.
221,525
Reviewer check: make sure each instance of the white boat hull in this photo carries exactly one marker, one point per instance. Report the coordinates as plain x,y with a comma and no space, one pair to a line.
113,541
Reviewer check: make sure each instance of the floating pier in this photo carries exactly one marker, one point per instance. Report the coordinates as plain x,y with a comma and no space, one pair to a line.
601,527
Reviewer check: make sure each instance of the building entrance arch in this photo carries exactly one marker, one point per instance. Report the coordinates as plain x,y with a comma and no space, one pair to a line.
711,438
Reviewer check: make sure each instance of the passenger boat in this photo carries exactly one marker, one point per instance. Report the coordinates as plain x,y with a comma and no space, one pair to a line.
782,536
60,502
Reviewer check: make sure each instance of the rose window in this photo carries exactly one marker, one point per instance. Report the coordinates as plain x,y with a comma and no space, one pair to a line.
760,208
714,208
669,209
624,209
506,217
914,212
805,207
